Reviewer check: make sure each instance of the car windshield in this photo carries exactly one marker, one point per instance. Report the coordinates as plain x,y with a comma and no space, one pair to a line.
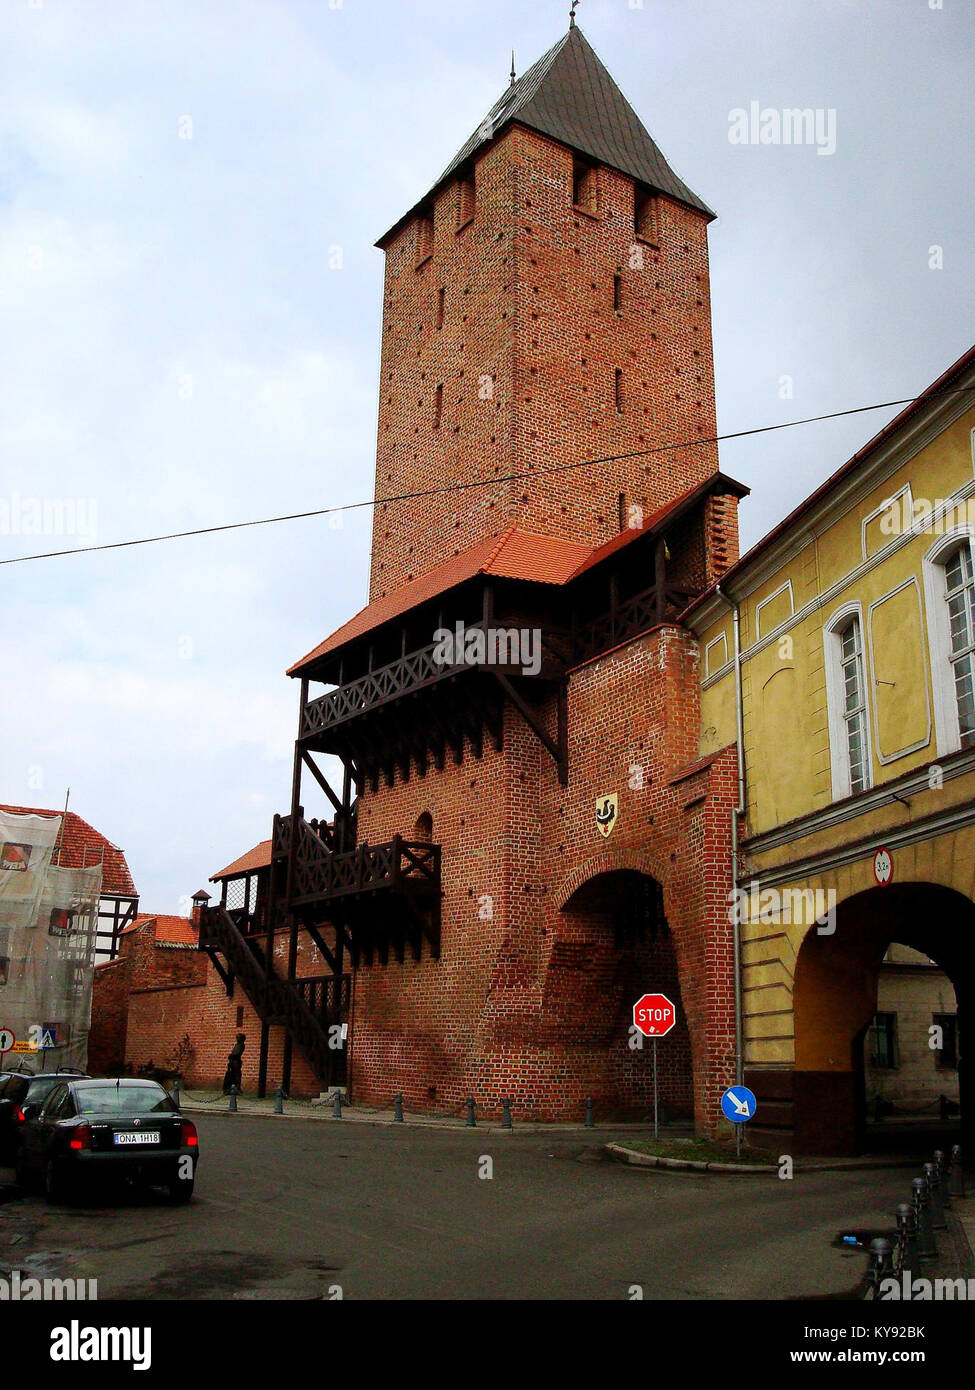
123,1100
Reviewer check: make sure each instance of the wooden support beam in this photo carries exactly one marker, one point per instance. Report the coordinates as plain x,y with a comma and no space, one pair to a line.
319,941
226,974
320,778
535,726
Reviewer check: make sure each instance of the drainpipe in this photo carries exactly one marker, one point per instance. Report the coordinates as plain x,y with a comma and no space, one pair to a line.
736,815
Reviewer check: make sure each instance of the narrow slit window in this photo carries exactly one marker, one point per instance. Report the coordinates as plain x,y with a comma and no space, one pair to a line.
437,407
646,213
618,389
424,237
584,191
466,198
441,305
621,505
618,292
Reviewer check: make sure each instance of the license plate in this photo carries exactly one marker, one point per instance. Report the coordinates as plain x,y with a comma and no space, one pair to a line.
142,1136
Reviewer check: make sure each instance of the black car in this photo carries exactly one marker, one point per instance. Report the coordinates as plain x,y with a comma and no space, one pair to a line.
107,1133
23,1088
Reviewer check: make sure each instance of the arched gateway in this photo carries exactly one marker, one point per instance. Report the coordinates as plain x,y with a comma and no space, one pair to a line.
614,944
835,1000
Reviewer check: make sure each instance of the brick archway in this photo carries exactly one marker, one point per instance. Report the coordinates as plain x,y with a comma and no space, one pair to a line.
640,861
609,941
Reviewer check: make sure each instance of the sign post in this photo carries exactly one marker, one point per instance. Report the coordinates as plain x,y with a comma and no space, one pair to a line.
738,1104
7,1039
655,1016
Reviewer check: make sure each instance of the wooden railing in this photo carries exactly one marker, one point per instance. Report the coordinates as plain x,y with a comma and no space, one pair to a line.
319,875
401,677
307,1008
326,996
627,619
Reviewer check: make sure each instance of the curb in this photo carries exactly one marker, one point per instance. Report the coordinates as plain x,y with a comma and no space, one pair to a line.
641,1160
697,1165
316,1116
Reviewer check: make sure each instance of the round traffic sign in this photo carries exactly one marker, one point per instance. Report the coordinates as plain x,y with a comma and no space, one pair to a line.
654,1015
7,1040
738,1104
883,866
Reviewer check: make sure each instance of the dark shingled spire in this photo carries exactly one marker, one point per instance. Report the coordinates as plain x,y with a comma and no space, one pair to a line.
570,96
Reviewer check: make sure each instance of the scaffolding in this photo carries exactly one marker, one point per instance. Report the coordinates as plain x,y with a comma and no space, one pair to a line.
48,925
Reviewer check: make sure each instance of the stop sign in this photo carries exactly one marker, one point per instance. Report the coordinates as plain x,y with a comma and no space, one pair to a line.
654,1015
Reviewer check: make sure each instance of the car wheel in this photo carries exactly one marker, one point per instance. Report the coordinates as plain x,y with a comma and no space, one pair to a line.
56,1187
181,1190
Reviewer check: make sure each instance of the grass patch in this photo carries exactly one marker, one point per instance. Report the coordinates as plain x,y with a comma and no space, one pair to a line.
700,1150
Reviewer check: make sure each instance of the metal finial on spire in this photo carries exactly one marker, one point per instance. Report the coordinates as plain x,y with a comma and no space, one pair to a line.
513,78
572,14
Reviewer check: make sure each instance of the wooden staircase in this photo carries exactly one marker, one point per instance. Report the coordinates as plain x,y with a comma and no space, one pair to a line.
278,1001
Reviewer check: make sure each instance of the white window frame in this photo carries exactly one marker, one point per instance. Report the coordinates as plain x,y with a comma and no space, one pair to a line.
925,739
885,506
947,730
839,748
722,641
769,598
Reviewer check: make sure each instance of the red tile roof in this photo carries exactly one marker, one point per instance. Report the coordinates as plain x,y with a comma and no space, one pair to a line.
170,931
257,858
80,846
514,554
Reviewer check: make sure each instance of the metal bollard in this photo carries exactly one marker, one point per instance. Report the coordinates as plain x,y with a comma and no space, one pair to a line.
927,1248
337,1105
881,1263
470,1122
279,1101
941,1163
938,1221
398,1108
907,1256
956,1176
505,1113
589,1119
176,1094
233,1100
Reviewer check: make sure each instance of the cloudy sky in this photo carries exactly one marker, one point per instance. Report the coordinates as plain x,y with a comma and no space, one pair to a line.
189,327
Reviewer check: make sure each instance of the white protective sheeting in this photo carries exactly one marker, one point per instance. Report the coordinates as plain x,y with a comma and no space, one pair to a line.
48,917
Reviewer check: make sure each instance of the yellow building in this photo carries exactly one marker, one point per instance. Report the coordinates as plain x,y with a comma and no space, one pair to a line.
839,655
908,1078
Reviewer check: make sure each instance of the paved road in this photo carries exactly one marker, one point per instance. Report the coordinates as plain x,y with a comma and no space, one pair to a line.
286,1209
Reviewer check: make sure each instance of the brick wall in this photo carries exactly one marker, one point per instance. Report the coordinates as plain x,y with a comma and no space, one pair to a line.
109,1017
527,357
535,1001
531,995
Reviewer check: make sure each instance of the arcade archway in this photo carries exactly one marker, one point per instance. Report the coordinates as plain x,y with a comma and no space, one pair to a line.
835,1001
613,944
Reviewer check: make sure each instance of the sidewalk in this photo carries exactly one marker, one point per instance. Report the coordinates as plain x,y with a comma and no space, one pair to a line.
216,1103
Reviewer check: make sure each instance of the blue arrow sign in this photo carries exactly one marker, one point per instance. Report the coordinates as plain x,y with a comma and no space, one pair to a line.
738,1104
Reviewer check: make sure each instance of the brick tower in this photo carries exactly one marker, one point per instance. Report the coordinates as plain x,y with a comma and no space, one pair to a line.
525,839
546,302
